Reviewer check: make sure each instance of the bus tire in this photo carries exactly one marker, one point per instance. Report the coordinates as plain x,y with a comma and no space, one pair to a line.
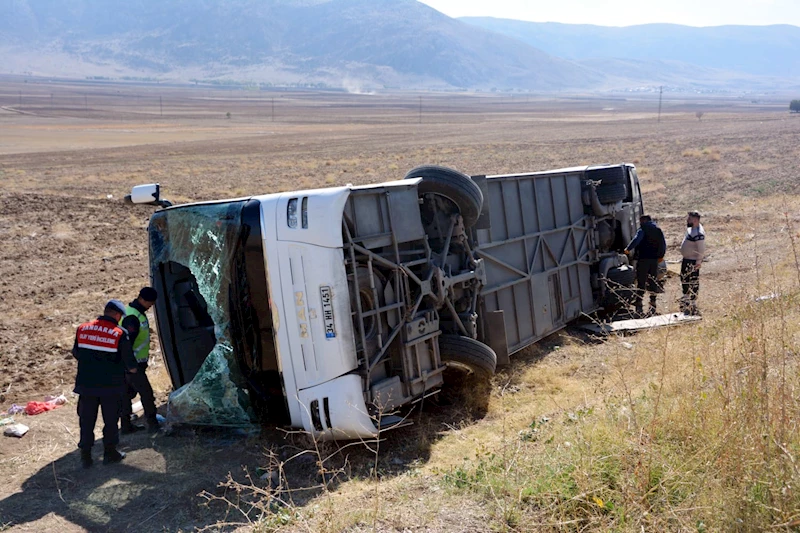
613,184
467,355
453,185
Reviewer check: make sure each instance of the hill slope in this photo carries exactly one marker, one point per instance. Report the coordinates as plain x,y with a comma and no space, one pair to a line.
755,50
383,42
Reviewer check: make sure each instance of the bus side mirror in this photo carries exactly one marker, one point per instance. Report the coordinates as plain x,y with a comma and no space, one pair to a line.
149,194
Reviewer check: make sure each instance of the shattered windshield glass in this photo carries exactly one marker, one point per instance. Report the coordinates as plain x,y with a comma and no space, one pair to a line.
191,256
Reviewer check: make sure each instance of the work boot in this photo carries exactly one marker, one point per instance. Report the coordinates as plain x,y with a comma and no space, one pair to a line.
686,308
653,305
112,455
153,426
86,458
129,427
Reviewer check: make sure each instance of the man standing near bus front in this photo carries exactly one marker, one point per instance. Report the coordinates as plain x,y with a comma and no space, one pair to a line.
650,247
138,328
104,354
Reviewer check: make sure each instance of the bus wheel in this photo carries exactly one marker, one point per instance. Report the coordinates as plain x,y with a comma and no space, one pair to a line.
467,355
453,185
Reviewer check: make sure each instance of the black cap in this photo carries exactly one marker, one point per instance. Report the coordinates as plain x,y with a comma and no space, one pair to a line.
148,294
694,214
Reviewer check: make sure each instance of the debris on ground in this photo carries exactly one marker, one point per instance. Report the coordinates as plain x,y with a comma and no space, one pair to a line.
6,421
639,324
58,400
15,409
16,430
50,403
36,408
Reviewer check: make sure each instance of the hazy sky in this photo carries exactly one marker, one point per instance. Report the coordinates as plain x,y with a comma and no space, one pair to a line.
629,12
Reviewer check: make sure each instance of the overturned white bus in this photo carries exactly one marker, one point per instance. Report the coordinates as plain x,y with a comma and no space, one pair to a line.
329,309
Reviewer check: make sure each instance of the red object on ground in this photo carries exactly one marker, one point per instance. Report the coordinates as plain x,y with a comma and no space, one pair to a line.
37,408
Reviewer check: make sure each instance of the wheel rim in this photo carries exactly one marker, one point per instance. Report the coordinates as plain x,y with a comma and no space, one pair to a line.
461,367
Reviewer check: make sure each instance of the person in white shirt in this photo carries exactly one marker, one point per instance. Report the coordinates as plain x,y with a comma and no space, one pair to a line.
693,250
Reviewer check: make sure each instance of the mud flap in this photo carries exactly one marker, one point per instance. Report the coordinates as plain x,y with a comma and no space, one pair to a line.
495,325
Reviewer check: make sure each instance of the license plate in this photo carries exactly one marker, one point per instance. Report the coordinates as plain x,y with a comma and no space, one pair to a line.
327,311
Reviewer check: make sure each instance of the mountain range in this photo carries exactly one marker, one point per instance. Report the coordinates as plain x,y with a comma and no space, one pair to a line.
757,50
375,44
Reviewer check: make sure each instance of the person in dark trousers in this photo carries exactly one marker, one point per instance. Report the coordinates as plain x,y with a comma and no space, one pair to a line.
693,250
650,247
138,328
104,354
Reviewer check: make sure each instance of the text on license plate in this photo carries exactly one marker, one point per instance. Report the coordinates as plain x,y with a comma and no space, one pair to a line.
327,311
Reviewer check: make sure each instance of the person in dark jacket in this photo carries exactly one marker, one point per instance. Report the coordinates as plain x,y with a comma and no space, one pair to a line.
650,247
104,354
136,324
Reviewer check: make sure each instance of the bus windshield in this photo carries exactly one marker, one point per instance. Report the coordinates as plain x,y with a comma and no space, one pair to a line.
214,324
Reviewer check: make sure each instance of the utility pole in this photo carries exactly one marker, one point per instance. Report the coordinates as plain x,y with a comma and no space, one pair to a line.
420,110
660,92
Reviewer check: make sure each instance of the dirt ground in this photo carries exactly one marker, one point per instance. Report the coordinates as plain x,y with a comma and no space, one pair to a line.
70,152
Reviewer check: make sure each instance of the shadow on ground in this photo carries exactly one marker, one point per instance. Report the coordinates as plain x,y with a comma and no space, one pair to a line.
154,488
189,479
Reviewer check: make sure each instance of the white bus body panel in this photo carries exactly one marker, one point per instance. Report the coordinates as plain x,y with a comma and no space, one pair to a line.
306,271
305,266
346,416
324,207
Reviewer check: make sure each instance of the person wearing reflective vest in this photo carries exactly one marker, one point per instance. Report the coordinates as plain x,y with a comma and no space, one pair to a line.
138,328
104,356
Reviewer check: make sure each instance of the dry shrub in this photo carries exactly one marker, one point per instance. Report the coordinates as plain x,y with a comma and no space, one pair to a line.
274,499
725,175
709,153
673,168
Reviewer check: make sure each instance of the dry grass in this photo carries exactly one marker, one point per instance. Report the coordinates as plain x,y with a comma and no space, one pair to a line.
705,438
708,153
